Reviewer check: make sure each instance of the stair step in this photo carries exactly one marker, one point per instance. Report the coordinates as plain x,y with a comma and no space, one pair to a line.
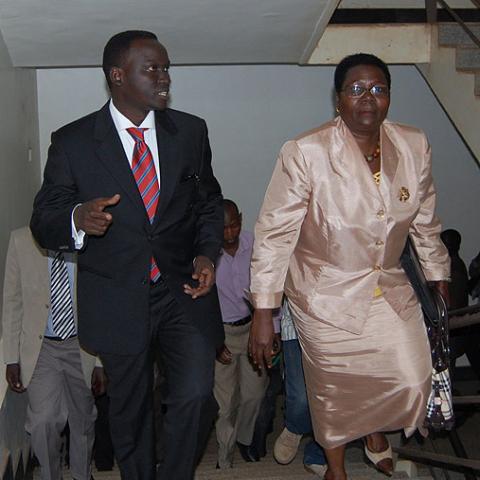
452,34
467,58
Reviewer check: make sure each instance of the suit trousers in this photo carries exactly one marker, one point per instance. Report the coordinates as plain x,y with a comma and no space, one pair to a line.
239,390
190,408
56,393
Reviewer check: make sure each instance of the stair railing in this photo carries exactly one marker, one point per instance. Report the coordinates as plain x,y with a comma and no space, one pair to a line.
431,7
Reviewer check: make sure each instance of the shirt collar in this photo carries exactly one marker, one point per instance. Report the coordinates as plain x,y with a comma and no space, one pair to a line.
242,245
122,122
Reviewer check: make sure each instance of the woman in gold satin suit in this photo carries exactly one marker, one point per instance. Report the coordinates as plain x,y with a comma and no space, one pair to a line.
341,202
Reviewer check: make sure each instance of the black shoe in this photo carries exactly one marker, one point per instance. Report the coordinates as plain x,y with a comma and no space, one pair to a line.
248,453
104,467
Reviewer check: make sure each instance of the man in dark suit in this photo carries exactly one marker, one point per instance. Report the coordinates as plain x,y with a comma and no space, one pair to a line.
147,248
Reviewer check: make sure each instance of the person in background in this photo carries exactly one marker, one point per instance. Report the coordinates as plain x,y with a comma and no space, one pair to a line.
297,414
43,357
266,415
341,202
239,388
474,280
458,285
131,187
464,340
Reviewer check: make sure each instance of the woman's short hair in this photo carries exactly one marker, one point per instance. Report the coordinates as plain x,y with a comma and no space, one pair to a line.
358,59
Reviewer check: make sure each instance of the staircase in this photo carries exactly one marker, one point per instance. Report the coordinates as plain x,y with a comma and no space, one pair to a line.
467,54
454,76
268,469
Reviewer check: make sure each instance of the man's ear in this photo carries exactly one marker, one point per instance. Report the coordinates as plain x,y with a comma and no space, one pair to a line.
116,76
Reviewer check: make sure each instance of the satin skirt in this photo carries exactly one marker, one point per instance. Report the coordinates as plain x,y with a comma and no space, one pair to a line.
377,381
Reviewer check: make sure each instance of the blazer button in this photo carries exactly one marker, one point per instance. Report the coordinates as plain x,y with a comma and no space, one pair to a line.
150,238
378,243
381,214
377,268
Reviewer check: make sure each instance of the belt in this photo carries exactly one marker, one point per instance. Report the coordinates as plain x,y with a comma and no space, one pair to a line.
59,339
239,323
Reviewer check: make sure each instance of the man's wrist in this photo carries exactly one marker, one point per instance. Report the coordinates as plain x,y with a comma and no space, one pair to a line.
206,258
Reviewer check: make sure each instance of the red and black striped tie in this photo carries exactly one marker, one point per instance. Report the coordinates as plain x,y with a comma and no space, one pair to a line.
145,175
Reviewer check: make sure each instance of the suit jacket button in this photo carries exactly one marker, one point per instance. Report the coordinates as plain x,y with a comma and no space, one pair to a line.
144,281
150,238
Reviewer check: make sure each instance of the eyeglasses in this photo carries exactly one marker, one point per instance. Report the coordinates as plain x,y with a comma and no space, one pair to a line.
357,91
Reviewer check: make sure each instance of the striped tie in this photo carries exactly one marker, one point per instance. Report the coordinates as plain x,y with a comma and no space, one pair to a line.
146,177
61,298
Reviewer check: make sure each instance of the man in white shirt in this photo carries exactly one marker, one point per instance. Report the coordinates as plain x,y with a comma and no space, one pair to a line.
131,186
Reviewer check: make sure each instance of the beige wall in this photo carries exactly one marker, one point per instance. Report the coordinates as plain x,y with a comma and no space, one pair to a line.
19,169
19,180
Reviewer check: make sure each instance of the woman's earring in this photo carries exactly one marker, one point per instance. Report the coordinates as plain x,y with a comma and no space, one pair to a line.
337,109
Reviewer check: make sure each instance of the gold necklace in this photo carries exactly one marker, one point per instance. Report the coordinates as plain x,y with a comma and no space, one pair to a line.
375,155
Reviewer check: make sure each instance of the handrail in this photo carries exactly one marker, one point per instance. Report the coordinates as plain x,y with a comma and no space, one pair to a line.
464,317
457,18
476,3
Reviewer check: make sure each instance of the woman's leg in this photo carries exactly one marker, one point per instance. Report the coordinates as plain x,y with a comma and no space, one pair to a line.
336,463
377,444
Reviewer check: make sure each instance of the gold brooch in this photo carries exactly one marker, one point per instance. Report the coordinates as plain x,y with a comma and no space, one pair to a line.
404,194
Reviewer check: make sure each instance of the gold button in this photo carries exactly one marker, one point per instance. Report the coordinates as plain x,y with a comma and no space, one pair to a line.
378,243
381,213
377,267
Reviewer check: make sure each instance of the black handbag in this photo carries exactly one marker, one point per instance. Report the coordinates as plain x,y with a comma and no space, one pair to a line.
439,406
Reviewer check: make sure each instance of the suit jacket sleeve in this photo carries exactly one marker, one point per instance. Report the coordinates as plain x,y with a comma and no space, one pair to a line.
278,226
54,203
209,231
12,315
425,228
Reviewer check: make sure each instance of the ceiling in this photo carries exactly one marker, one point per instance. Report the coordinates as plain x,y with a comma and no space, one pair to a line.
64,33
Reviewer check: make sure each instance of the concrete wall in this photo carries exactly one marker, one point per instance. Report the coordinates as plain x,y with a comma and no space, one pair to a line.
19,180
252,110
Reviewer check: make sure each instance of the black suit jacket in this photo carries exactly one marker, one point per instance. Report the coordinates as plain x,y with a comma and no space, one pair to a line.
86,160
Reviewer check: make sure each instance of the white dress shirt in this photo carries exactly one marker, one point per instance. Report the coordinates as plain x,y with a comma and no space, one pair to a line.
121,123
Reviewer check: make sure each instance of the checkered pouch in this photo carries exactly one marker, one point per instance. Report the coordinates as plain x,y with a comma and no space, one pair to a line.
439,406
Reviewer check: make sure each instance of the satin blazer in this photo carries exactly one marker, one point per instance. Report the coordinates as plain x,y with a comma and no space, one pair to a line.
327,235
26,303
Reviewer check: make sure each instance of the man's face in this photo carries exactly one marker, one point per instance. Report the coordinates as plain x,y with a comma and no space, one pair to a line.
232,227
141,83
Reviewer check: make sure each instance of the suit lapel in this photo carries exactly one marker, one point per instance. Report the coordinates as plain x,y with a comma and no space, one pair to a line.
169,165
350,161
389,164
111,153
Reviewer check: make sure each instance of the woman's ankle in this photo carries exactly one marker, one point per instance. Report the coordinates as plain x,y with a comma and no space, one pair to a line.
335,475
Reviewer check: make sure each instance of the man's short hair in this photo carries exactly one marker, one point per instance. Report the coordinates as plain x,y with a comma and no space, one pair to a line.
230,204
118,46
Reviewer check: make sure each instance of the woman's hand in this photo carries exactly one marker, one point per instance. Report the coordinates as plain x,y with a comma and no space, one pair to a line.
260,344
442,288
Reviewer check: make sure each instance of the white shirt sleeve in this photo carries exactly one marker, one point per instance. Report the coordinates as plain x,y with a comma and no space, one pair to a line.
77,235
